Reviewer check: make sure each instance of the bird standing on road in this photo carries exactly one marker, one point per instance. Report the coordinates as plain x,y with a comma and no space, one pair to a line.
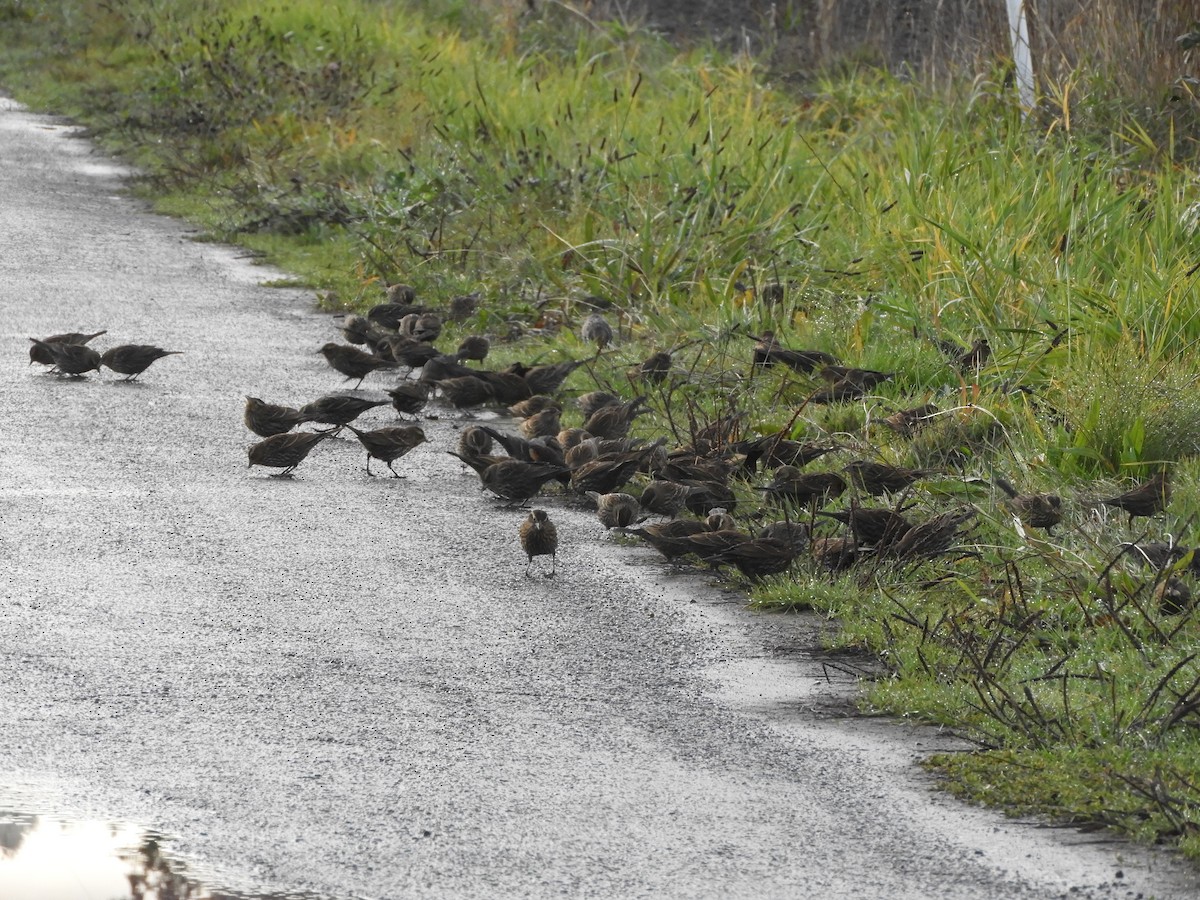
131,360
352,362
539,537
69,359
269,419
285,451
389,444
39,353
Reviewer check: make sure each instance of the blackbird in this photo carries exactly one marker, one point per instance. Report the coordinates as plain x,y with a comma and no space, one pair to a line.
412,354
872,526
775,450
409,397
614,510
671,539
843,391
705,495
719,520
352,362
571,437
1173,596
596,330
131,360
880,478
593,400
790,484
1147,499
712,547
767,352
512,479
285,451
69,359
389,444
360,330
388,315
609,472
422,327
539,537
759,557
338,409
544,450
39,353
863,378
906,422
1034,510
267,419
474,347
508,387
974,358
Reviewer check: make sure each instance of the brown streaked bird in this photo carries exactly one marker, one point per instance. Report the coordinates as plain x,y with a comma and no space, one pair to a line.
975,357
474,441
593,400
508,387
390,443
352,362
571,437
835,553
768,352
542,424
338,409
70,359
615,510
425,328
360,330
930,538
1147,499
388,315
409,353
401,294
614,421
719,520
705,495
596,330
39,353
285,451
131,360
872,526
549,378
473,347
532,406
654,368
1034,510
539,537
269,419
664,498
805,489
466,390
409,397
610,472
907,422
1173,596
796,534
463,306
880,478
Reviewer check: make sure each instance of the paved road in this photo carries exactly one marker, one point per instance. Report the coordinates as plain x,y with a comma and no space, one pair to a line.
345,684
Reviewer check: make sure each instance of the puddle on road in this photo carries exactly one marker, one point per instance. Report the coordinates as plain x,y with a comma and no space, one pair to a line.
44,858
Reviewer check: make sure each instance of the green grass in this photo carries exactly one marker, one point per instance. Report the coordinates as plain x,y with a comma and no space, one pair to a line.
461,148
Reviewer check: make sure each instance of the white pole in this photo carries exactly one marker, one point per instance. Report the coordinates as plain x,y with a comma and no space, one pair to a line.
1018,32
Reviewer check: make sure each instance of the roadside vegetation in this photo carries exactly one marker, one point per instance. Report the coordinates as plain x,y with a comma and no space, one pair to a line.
555,165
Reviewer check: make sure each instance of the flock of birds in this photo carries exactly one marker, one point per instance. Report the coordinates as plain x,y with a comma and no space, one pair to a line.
688,493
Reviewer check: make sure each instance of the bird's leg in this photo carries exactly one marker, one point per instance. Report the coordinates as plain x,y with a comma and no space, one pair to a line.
357,386
369,465
394,472
553,565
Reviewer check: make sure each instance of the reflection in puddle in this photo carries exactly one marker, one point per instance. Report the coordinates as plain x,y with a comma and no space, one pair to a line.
42,858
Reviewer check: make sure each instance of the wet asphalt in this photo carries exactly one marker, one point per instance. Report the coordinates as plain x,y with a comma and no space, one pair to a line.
346,685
